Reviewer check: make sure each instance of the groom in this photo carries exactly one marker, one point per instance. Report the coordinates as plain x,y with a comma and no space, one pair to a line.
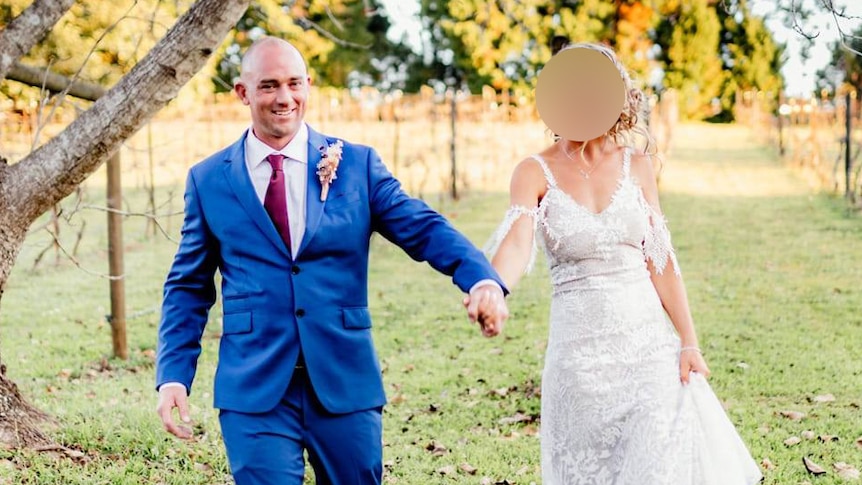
297,367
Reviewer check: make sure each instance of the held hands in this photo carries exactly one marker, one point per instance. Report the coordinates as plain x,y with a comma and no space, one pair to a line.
487,306
171,397
691,360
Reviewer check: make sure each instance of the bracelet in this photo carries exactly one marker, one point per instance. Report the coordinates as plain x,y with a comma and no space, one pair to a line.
692,348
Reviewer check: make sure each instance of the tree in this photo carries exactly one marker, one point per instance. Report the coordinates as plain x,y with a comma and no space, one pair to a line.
749,54
845,68
344,41
688,35
31,186
505,43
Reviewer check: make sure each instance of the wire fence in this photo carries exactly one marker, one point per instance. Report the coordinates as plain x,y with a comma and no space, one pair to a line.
821,137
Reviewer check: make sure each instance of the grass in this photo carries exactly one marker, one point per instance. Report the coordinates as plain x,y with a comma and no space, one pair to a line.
773,278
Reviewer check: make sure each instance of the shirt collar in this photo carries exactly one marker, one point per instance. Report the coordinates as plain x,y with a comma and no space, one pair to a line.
297,149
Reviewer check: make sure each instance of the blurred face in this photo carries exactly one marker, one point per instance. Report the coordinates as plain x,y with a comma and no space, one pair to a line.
274,85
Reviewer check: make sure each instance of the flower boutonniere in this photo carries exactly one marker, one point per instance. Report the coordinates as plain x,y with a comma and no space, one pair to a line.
328,164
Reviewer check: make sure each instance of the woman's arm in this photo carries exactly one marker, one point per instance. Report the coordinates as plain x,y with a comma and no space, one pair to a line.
665,274
515,251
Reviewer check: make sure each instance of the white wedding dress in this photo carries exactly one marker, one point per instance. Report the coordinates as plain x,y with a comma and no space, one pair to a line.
613,409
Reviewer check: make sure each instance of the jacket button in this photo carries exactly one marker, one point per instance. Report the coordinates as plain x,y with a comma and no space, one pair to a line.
294,270
300,313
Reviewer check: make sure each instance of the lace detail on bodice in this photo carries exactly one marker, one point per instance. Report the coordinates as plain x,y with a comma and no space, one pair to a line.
574,237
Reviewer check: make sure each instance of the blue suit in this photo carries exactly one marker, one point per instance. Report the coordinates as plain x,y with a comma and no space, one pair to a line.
276,306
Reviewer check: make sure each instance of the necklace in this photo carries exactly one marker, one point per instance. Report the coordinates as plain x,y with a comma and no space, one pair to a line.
584,173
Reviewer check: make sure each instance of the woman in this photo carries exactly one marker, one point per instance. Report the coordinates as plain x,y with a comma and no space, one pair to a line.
624,396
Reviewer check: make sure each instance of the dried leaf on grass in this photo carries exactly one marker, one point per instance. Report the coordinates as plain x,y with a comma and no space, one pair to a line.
793,440
859,442
846,471
468,468
808,435
824,398
813,468
436,449
62,451
826,438
518,418
447,470
767,464
792,415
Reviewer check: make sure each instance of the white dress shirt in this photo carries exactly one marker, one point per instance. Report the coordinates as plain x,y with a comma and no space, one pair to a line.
295,176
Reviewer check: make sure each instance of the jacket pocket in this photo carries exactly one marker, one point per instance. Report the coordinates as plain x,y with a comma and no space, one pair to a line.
357,317
339,200
233,323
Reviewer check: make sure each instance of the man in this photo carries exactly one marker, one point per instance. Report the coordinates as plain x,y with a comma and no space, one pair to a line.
297,367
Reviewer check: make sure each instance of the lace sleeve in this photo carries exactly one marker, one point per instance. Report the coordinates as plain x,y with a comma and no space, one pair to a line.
657,245
513,214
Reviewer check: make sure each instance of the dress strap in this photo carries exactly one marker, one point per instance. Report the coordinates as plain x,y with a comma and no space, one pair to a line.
548,175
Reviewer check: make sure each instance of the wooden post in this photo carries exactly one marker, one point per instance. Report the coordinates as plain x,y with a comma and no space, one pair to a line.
848,132
781,149
396,139
453,113
117,318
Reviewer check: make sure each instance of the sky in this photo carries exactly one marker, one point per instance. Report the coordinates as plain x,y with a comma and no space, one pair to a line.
799,73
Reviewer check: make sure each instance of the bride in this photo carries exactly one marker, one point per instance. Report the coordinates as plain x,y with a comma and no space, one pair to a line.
624,395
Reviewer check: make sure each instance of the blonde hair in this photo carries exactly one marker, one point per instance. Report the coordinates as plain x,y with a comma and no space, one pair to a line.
635,108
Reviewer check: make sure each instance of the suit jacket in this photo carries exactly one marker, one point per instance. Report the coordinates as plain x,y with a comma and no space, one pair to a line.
275,305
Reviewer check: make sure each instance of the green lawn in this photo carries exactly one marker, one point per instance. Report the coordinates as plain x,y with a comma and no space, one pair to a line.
773,272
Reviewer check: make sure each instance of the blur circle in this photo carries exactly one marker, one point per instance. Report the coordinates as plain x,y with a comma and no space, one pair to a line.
580,94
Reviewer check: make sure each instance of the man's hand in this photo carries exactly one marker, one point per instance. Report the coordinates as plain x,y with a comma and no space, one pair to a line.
171,397
487,305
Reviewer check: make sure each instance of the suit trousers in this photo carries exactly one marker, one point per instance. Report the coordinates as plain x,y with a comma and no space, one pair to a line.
267,448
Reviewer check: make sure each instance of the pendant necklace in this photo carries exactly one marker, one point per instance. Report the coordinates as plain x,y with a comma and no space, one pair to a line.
584,174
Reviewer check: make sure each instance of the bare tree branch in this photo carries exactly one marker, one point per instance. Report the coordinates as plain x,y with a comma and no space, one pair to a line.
305,23
57,167
77,263
149,215
54,83
27,29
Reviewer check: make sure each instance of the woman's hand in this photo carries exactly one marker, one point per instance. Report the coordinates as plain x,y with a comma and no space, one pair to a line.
691,360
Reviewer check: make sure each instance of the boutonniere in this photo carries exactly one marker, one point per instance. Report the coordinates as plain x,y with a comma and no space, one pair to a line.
330,156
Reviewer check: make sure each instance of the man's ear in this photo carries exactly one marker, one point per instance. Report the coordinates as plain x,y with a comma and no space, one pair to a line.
558,42
241,91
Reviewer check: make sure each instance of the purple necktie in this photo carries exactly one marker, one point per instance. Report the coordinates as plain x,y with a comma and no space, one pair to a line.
275,201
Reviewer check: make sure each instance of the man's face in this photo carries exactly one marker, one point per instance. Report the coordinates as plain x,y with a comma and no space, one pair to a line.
274,85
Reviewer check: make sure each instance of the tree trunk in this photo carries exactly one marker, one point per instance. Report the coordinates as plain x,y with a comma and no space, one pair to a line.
42,179
18,419
27,29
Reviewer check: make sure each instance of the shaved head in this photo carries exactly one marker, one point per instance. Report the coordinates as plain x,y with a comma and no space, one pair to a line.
274,84
266,45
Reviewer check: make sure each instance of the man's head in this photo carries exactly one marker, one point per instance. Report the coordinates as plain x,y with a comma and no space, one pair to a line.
274,84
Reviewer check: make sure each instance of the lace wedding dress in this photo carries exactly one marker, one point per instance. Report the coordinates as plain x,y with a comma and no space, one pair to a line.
613,409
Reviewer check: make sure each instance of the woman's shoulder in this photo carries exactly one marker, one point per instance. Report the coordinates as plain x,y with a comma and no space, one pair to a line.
643,161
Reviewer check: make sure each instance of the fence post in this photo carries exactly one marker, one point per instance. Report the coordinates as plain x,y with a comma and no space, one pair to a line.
453,113
781,101
115,258
848,131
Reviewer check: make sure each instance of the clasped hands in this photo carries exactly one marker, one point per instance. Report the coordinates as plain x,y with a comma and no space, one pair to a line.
486,305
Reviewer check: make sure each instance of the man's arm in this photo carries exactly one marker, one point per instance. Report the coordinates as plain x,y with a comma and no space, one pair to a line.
426,235
189,293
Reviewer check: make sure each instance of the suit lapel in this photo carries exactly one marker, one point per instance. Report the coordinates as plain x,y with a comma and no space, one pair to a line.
239,180
313,204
